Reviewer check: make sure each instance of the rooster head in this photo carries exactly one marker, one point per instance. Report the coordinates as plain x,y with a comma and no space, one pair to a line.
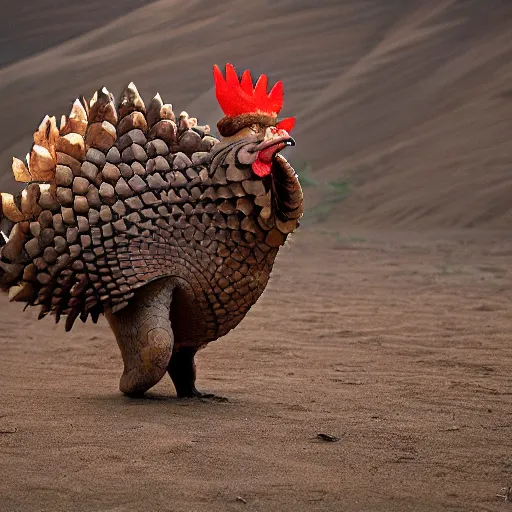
251,113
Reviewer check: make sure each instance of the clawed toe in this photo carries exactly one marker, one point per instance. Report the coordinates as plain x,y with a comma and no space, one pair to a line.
194,393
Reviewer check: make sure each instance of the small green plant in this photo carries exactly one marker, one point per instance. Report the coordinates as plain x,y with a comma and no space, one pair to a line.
306,180
447,269
304,172
349,239
333,192
340,187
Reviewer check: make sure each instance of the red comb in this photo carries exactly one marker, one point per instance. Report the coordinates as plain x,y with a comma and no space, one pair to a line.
286,124
240,97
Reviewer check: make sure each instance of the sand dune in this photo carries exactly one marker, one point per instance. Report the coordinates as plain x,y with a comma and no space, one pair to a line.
408,100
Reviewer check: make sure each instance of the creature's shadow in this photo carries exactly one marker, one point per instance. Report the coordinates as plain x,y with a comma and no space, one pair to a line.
155,398
160,397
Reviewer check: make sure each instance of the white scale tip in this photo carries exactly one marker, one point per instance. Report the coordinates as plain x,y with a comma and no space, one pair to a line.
6,239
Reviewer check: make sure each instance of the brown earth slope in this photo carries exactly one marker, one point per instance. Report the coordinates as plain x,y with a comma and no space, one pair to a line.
409,100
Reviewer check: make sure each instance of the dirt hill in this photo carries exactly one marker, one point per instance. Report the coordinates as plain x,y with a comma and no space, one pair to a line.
404,108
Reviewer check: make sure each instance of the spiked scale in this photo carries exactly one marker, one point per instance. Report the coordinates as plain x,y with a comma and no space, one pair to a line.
121,195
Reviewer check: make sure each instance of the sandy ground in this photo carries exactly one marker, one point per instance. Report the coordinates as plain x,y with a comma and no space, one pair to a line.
398,345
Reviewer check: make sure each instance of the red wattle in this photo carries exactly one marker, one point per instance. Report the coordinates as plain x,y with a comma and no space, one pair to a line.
261,168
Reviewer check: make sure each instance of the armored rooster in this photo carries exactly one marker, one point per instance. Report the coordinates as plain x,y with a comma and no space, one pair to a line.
143,216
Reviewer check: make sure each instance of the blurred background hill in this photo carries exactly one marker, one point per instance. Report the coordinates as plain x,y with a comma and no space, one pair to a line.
404,107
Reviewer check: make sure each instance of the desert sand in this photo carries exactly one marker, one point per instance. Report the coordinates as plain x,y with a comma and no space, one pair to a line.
386,323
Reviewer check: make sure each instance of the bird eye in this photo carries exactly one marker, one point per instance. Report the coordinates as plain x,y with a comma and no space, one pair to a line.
254,128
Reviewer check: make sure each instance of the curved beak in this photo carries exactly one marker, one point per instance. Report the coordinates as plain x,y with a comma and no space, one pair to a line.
275,137
275,140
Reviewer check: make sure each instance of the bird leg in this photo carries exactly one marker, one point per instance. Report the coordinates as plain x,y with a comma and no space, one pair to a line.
182,370
144,335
